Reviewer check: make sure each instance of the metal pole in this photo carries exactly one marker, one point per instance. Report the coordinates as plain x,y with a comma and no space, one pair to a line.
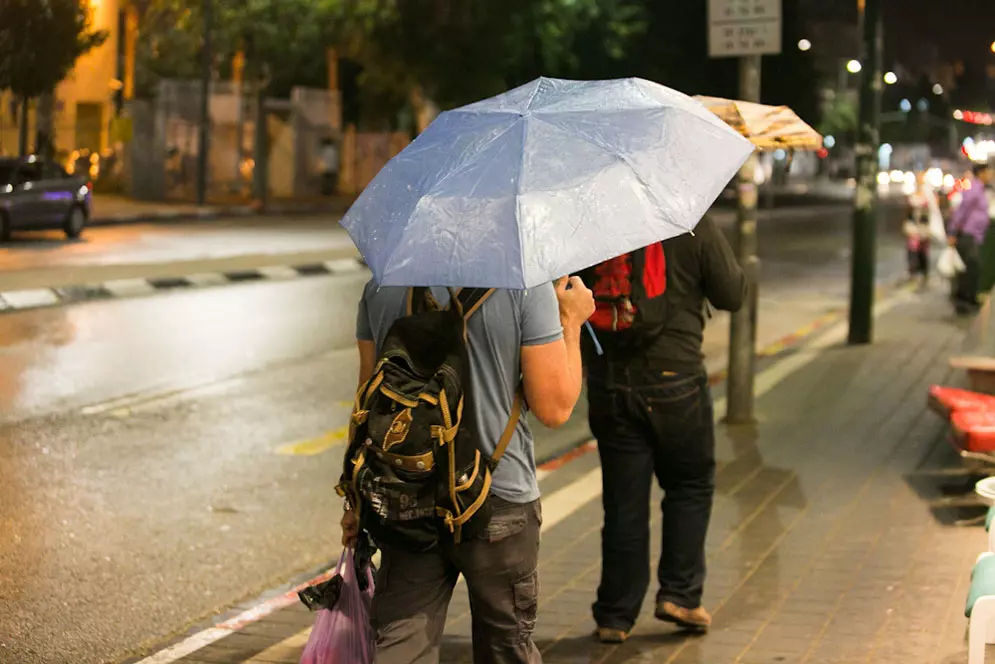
22,135
204,137
743,330
238,83
864,254
260,171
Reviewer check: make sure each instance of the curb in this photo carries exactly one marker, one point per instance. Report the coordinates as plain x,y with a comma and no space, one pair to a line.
213,213
38,298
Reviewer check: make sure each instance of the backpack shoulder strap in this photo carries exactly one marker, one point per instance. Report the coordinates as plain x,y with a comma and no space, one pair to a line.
471,299
509,429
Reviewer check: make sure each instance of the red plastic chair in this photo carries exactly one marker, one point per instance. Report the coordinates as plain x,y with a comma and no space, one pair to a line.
974,430
949,400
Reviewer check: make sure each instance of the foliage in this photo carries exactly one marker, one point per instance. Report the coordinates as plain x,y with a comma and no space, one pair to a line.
839,117
40,42
169,44
455,51
285,38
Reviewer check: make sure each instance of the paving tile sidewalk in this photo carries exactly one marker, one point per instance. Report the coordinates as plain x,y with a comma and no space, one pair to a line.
822,549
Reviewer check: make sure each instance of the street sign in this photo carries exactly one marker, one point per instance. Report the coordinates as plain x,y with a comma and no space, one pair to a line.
744,27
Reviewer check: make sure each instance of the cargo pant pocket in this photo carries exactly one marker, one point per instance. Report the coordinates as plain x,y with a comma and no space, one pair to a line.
526,592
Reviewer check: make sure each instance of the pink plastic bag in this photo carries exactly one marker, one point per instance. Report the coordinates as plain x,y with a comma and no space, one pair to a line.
344,635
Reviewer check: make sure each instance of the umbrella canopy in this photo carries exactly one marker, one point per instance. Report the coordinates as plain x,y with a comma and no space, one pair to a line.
767,127
543,181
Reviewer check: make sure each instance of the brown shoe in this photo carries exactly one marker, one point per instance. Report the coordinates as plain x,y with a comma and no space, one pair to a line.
695,620
609,635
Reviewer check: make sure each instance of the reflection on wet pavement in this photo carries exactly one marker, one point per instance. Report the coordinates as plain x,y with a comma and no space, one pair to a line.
184,241
69,357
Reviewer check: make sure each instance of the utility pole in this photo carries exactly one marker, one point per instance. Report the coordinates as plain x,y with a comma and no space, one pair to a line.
238,84
864,253
260,171
746,31
204,134
22,133
743,324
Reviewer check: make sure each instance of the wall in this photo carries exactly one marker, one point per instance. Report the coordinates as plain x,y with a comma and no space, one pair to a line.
91,81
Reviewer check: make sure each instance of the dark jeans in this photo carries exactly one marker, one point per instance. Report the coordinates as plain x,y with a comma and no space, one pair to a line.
918,259
413,591
648,423
966,296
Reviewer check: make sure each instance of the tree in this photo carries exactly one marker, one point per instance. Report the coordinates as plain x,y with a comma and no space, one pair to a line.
288,38
453,51
40,42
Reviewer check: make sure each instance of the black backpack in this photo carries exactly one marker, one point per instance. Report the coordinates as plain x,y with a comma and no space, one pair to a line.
414,468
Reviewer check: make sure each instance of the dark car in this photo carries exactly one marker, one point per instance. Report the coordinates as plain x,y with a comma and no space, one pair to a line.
40,195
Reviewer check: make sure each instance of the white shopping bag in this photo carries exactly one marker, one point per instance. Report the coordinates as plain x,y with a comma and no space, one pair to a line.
936,226
950,264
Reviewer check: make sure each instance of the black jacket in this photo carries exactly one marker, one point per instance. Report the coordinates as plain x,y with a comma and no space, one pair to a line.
700,267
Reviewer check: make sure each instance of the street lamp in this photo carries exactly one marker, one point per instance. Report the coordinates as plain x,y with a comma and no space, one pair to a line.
993,47
891,78
937,89
853,66
905,105
804,45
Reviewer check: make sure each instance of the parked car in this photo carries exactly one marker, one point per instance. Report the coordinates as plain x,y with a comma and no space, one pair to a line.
40,195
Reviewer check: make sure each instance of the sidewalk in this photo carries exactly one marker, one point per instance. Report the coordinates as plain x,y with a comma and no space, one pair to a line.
822,548
109,209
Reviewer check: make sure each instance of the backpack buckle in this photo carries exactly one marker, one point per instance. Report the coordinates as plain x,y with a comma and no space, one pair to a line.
447,518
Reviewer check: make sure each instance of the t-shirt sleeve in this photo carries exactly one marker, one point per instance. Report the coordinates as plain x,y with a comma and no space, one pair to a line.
540,316
364,330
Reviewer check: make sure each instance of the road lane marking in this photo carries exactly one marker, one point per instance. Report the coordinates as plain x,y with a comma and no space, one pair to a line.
343,265
206,279
314,446
146,401
129,287
278,272
30,298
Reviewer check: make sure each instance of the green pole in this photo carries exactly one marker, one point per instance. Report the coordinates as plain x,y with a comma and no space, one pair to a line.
204,129
864,254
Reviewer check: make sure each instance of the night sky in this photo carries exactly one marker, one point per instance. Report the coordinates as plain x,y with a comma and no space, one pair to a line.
917,31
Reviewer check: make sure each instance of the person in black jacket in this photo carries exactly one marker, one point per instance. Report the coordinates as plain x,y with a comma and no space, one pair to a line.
651,413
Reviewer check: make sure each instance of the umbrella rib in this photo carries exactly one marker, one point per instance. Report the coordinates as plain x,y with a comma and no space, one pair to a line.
518,194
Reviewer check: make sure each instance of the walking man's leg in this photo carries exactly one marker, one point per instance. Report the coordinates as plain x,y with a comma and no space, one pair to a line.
627,473
685,466
501,568
967,281
410,603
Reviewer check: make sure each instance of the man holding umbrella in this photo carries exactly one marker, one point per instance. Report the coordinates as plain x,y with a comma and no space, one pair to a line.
534,334
500,199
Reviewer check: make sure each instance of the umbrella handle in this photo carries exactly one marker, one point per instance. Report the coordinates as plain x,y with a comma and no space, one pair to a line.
594,337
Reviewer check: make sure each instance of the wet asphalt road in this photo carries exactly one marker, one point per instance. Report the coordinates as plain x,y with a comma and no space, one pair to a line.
145,479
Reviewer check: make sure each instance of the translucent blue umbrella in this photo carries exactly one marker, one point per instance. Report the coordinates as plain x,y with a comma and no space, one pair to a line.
541,182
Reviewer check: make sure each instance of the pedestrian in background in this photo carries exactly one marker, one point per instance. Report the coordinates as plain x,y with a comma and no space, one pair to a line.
968,227
651,413
329,167
919,217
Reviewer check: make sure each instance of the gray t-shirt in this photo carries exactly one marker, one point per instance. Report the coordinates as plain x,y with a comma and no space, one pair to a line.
507,321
